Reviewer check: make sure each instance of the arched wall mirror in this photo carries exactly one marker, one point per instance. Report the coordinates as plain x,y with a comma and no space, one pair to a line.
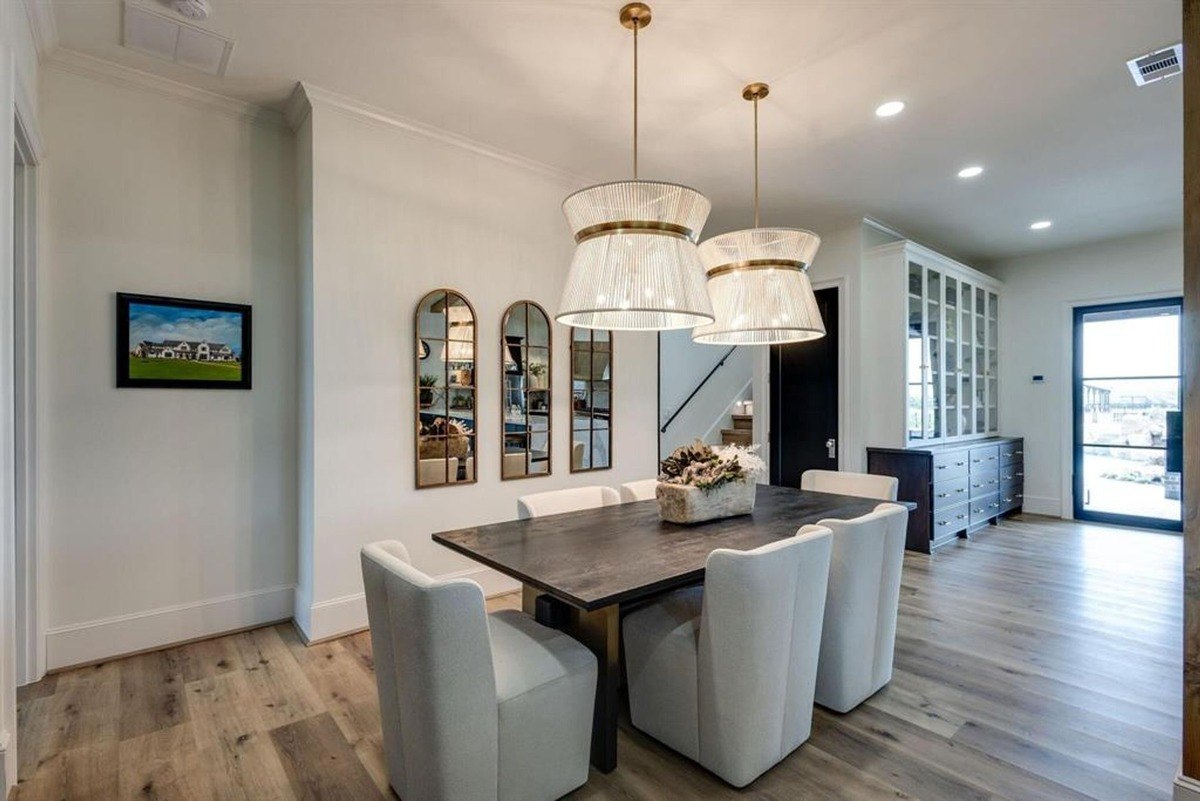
525,396
445,390
591,399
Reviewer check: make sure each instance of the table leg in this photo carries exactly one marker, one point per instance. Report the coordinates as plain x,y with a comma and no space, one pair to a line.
600,631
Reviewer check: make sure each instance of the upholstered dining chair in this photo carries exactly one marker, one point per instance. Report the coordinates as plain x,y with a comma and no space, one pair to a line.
725,673
556,502
638,490
859,637
863,485
435,471
475,707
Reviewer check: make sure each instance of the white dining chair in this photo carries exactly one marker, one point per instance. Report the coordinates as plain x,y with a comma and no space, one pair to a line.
643,490
556,502
859,638
436,471
725,673
474,707
839,482
515,464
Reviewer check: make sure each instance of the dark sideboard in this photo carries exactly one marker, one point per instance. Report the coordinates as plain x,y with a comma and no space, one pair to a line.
959,488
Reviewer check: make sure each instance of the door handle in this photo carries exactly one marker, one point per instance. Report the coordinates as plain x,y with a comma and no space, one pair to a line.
831,446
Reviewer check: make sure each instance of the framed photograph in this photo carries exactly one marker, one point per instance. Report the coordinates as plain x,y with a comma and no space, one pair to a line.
182,344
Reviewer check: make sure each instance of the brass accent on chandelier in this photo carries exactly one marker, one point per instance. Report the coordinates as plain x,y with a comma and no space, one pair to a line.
636,227
756,264
635,15
755,91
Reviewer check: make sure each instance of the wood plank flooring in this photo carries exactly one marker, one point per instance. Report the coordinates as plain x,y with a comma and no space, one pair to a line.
1041,661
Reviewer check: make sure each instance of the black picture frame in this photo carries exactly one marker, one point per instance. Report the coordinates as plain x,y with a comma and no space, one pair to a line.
123,351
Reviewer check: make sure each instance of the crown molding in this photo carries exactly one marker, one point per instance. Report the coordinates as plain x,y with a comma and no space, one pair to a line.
41,22
306,96
97,68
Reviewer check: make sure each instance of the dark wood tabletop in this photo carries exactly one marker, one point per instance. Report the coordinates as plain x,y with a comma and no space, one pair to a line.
617,554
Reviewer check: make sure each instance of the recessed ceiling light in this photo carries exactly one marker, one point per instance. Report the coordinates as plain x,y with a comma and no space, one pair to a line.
890,108
1040,225
970,172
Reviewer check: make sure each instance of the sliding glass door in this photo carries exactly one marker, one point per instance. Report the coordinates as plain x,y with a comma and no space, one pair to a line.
1127,400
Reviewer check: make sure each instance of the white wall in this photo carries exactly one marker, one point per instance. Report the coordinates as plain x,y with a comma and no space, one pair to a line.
399,211
683,364
1040,292
167,514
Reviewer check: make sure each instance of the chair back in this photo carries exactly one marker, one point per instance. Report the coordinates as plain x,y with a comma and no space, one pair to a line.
862,485
639,490
859,637
556,502
760,632
515,464
437,471
433,669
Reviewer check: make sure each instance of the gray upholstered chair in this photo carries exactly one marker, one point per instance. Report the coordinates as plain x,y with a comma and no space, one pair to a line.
475,707
643,490
859,637
840,482
556,502
725,673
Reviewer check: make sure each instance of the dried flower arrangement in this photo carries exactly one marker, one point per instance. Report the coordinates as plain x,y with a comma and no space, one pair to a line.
706,468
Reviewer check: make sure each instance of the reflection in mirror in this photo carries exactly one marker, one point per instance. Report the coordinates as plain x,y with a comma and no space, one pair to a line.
525,394
591,400
445,388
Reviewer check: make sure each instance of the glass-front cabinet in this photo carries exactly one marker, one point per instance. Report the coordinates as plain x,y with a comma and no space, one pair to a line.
951,353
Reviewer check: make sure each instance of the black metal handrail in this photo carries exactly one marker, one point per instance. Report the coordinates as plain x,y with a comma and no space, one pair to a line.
699,386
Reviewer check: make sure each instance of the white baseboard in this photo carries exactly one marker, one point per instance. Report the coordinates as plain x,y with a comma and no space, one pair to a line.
338,616
8,763
1037,505
81,643
1186,788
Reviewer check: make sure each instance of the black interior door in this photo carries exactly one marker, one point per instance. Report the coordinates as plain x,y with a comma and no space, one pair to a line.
804,401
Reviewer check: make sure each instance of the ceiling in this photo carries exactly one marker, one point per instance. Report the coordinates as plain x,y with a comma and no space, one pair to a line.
1036,92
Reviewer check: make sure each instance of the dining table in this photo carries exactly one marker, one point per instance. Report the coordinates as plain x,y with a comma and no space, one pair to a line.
578,570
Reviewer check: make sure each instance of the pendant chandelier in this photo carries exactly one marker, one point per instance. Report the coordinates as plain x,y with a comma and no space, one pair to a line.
636,266
758,278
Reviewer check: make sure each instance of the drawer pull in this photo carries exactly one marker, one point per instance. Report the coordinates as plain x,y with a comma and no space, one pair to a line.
941,466
991,458
1020,475
959,464
994,505
943,522
960,517
1008,500
943,495
976,486
1019,453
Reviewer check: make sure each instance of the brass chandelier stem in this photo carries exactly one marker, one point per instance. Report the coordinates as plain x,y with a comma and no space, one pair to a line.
755,92
755,162
636,25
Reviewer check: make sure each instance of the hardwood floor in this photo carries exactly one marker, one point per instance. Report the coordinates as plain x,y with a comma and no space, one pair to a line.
1041,661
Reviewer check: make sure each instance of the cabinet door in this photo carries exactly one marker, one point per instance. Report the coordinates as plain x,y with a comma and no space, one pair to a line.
915,354
953,370
934,334
966,332
980,381
993,362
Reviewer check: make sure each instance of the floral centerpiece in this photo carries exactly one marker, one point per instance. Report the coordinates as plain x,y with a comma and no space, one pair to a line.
700,482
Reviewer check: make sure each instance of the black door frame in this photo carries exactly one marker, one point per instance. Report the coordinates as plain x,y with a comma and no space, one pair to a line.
1077,444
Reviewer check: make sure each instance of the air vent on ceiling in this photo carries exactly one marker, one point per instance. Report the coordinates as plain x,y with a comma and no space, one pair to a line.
1157,65
171,39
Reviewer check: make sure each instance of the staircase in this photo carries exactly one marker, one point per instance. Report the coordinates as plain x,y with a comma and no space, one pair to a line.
742,432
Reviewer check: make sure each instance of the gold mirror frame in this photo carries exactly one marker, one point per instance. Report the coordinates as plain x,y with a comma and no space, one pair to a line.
526,373
444,391
591,406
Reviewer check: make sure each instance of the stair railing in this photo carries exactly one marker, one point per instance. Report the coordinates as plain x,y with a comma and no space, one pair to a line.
696,391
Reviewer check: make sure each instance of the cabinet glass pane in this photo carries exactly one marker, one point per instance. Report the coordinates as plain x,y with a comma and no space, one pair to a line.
915,377
966,415
915,280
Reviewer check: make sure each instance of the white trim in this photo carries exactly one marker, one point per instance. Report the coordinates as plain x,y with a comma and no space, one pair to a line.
30,611
306,96
80,643
348,613
5,744
1067,404
42,25
129,78
1186,788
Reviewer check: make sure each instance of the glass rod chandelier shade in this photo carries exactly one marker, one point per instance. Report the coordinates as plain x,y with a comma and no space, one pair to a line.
636,266
758,278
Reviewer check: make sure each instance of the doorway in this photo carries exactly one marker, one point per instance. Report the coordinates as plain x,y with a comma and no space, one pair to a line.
1127,396
804,400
